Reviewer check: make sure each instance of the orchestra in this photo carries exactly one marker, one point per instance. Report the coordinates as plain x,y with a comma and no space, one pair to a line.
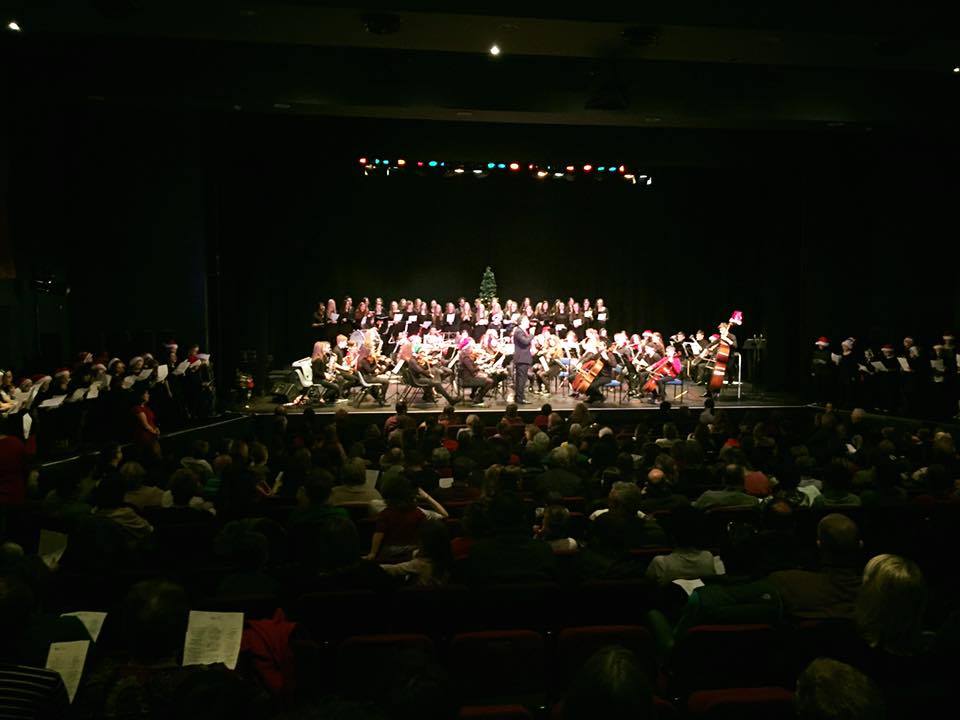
491,348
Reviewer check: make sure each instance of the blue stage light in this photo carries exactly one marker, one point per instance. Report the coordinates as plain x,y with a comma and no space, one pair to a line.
491,166
501,165
432,163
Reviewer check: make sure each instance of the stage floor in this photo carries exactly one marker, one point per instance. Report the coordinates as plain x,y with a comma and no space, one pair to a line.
689,395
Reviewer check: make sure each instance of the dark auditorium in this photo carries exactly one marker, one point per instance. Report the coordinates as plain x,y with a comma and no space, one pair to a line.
423,360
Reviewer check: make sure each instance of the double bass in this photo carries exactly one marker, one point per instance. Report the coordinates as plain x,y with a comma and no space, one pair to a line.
588,371
723,355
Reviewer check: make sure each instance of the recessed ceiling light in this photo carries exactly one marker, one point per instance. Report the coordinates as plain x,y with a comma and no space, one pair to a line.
13,25
494,49
957,69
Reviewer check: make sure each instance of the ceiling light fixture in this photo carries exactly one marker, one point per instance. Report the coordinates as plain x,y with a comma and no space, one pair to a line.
15,26
494,49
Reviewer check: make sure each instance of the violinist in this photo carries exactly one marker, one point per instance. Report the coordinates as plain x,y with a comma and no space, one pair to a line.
424,376
546,361
321,364
470,375
369,368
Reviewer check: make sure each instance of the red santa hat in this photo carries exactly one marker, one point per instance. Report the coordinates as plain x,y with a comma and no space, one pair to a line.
647,333
886,346
61,372
714,337
736,317
464,341
822,341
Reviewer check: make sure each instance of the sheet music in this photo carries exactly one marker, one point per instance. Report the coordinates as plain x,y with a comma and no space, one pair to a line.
53,402
162,371
213,637
77,395
27,424
937,365
52,546
107,379
450,317
332,317
93,392
602,317
128,382
689,585
904,365
835,358
879,366
588,314
91,619
397,317
145,373
67,659
181,368
576,323
411,318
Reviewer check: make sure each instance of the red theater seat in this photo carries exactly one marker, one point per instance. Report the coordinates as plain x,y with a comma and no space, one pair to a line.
499,667
763,703
494,712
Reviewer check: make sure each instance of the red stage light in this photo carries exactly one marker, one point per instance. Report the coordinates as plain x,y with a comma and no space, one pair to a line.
419,163
623,168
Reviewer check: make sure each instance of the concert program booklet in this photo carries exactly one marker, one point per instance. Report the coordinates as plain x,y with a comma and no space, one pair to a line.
213,637
67,659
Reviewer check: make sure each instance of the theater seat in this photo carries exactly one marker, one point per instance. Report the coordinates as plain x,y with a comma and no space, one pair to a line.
710,657
369,665
576,645
494,712
496,667
762,703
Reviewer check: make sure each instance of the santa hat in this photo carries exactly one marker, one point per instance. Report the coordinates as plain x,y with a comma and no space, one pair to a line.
736,317
464,341
714,337
170,345
847,344
822,341
113,361
135,359
647,333
948,335
886,346
98,367
61,372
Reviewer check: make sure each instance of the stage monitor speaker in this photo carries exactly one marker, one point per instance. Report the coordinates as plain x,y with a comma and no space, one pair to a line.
284,392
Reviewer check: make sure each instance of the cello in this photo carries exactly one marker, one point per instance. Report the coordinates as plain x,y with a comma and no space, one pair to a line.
588,371
663,366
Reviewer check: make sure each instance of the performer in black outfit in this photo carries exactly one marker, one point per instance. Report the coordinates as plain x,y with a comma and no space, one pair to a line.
470,374
522,359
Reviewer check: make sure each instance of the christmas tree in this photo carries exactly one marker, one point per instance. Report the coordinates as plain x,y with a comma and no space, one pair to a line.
488,286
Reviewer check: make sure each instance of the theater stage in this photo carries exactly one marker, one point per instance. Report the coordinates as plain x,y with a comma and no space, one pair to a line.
689,396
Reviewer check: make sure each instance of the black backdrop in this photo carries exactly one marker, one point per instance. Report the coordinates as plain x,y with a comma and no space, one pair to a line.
228,228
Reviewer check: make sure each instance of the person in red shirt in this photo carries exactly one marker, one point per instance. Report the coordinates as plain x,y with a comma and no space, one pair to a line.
145,430
398,526
13,463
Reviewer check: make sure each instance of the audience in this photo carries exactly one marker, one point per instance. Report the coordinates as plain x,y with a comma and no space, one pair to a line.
816,507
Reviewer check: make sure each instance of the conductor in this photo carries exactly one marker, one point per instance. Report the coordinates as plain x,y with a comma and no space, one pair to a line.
522,359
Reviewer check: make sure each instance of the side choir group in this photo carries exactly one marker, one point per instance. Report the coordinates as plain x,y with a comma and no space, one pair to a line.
910,379
100,398
487,347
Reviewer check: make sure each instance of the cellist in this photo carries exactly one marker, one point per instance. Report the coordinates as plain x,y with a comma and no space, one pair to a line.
664,370
595,351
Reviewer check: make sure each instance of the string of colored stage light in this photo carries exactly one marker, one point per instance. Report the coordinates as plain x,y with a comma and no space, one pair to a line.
383,166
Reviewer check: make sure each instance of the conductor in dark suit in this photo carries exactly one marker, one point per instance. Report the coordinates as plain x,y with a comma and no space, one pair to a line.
522,359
